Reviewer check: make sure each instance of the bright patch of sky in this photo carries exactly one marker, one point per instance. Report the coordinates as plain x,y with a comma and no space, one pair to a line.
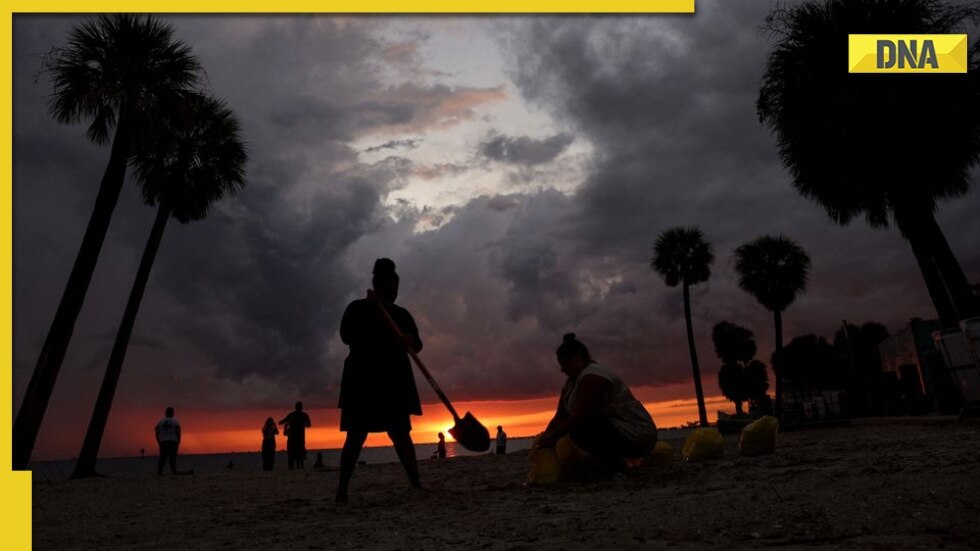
449,169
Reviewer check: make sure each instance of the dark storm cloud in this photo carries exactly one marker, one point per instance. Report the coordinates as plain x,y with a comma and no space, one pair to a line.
668,105
523,150
256,289
394,144
242,308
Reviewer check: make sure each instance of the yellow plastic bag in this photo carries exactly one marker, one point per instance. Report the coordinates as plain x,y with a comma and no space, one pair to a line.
662,455
567,450
545,466
759,437
703,444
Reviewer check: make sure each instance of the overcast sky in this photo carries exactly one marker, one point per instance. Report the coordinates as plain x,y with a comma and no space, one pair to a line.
518,171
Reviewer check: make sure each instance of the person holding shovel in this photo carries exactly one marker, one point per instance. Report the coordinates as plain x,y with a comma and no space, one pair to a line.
598,411
377,389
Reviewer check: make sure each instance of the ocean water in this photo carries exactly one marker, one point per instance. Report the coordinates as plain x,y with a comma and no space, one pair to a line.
246,461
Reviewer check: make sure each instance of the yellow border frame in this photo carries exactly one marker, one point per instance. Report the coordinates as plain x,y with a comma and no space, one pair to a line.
364,6
15,487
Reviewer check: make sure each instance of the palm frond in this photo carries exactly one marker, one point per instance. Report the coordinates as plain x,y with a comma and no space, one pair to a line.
773,269
682,255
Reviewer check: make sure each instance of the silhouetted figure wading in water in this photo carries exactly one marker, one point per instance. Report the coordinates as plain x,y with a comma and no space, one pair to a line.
168,437
599,412
295,425
269,432
377,391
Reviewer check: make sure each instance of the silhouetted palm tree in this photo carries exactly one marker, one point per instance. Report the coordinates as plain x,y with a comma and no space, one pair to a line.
735,347
731,381
774,271
121,72
757,387
885,146
199,161
682,256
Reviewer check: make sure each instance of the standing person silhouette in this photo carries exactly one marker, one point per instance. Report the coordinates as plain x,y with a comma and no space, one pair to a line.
377,390
167,433
441,446
501,441
269,432
295,425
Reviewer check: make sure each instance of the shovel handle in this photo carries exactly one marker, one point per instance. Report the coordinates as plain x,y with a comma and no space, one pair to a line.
418,362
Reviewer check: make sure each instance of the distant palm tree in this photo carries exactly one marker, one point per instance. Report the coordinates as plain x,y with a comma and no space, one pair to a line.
682,256
774,271
198,162
735,347
122,72
731,381
757,387
884,147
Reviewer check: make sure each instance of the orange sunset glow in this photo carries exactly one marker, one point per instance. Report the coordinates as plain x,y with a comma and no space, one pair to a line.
206,431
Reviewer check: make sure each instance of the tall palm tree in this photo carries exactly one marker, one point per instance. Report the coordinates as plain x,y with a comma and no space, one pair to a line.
682,256
774,271
198,162
887,147
122,73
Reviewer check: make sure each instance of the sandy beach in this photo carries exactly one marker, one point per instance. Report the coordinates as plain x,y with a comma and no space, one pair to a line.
876,484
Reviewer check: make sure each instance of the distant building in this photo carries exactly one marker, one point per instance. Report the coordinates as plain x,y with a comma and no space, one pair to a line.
960,351
916,378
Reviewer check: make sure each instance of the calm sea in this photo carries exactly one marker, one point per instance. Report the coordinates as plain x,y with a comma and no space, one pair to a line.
245,461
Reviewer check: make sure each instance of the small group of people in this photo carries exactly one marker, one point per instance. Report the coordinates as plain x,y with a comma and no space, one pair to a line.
294,426
501,443
295,423
378,393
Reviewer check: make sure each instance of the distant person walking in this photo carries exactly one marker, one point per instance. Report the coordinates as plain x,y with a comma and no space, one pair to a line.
441,446
168,437
295,425
377,391
269,432
501,441
599,412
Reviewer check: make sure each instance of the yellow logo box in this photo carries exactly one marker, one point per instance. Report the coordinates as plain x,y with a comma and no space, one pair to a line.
907,53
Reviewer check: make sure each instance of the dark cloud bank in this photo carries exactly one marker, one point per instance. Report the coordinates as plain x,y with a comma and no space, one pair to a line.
243,308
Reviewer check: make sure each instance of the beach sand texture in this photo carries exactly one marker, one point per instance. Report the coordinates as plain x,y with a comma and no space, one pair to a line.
875,484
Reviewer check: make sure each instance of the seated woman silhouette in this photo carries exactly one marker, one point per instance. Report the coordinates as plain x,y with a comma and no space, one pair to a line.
598,411
377,390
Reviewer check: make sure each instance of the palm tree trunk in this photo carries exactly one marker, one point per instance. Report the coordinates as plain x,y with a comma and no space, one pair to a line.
100,415
934,281
702,414
913,225
965,301
776,369
41,385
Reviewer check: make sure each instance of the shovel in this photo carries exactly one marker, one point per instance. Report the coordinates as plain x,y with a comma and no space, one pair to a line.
467,430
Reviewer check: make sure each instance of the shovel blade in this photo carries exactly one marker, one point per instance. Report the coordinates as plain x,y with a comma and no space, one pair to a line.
470,434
